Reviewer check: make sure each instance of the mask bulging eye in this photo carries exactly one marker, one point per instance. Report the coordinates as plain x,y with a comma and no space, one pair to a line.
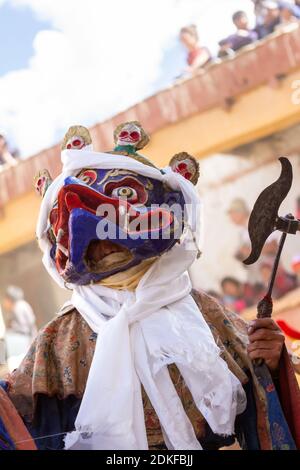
76,143
135,135
124,134
125,192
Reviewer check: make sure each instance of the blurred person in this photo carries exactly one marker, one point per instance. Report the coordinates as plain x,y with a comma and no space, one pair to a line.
296,268
21,318
198,56
244,294
232,298
259,11
271,19
287,15
253,293
225,49
20,325
284,282
2,325
2,340
6,158
298,208
244,35
239,213
291,5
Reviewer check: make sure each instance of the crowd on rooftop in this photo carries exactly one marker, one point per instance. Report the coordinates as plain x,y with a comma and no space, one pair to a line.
270,16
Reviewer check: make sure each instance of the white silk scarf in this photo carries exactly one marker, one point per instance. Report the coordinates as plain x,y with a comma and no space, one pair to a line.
140,333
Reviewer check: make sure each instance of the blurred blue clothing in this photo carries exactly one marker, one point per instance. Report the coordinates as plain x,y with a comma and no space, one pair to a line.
241,39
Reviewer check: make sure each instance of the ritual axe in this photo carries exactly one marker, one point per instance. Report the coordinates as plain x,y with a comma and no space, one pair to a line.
264,220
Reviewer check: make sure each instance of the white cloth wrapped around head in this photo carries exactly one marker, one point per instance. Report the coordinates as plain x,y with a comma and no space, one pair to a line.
141,332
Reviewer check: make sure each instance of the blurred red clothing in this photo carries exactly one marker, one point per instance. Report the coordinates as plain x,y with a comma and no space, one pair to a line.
284,283
196,54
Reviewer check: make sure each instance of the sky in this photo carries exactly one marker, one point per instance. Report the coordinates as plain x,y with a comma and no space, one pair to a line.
66,62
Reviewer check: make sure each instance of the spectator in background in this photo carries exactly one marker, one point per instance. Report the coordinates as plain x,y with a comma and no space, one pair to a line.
243,35
2,341
239,213
296,268
293,6
21,318
225,49
198,56
233,297
284,282
298,208
271,18
259,11
288,14
20,325
253,293
6,157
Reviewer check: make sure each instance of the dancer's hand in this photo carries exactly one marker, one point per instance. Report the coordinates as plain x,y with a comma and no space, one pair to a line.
266,342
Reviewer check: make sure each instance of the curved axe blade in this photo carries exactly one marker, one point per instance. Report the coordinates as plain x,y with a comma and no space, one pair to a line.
263,217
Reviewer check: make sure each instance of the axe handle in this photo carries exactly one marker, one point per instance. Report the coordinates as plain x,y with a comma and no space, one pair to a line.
275,266
264,310
265,306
